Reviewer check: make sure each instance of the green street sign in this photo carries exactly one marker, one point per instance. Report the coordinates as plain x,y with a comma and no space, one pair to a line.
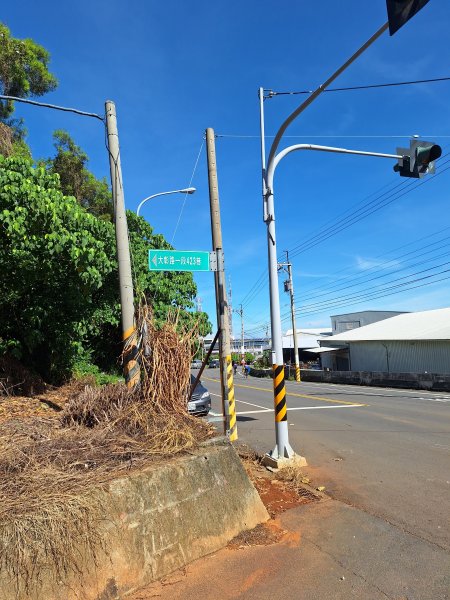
178,260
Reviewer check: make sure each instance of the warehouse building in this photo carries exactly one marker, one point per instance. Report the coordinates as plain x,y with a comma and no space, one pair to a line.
406,343
306,339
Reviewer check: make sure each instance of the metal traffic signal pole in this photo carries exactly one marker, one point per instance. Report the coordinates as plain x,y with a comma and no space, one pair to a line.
283,450
131,367
223,323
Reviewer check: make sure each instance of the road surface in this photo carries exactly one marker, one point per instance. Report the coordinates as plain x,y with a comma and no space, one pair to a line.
385,451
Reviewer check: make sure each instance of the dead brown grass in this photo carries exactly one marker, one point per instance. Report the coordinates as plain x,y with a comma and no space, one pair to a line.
52,470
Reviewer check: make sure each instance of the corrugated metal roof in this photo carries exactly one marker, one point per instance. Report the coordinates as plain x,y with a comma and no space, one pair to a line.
424,325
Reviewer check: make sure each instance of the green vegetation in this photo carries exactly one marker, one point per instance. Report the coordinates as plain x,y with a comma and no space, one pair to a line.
59,291
23,70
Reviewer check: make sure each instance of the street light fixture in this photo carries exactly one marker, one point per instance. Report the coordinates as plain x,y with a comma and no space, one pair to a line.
189,190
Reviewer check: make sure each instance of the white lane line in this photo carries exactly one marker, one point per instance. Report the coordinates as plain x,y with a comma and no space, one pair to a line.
252,412
434,399
243,402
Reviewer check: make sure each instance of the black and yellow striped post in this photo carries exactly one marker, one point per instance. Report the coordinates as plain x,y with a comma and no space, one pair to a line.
131,365
279,393
232,431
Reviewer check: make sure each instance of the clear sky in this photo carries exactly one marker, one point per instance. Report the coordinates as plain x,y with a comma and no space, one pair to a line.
175,68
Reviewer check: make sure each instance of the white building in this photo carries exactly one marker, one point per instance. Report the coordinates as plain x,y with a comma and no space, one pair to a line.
306,339
406,343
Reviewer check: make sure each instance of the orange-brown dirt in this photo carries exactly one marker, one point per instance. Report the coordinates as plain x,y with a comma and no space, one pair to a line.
279,492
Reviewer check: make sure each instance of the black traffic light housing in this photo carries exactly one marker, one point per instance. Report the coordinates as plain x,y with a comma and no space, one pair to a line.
418,159
400,11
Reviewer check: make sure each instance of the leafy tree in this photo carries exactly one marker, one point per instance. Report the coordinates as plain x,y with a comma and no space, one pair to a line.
76,180
54,259
23,70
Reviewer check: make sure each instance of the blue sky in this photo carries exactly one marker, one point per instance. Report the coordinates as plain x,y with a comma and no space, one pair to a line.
176,68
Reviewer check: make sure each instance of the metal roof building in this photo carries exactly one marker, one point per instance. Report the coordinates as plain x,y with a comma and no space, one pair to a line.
407,343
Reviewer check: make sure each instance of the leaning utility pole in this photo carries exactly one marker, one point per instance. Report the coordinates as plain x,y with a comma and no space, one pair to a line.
294,328
131,367
226,369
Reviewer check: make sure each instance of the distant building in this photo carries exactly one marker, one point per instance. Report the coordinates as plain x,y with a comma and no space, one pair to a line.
255,346
349,321
306,339
406,343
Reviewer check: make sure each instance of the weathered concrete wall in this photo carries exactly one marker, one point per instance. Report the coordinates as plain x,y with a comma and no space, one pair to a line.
159,520
416,381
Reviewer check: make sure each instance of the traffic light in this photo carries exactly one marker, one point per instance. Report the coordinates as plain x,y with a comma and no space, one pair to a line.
418,159
400,11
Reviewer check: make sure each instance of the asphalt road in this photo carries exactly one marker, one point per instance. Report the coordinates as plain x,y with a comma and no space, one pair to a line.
385,451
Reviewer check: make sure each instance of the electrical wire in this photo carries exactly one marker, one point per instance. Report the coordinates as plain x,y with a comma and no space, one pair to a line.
344,223
271,93
367,295
186,195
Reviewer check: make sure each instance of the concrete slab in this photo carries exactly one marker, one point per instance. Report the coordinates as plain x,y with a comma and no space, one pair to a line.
156,521
329,551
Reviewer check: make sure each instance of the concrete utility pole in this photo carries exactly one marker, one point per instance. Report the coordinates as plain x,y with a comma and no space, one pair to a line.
131,366
294,327
240,312
226,369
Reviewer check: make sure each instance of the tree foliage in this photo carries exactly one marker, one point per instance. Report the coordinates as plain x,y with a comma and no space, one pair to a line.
59,292
23,70
54,258
70,162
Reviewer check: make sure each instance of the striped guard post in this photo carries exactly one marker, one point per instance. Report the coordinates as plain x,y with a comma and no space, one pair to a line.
131,366
231,402
279,393
297,373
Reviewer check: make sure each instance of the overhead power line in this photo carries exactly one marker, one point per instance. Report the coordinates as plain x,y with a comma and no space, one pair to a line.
343,223
271,93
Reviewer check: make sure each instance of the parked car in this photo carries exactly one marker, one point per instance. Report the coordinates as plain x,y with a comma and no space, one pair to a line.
214,363
196,364
200,402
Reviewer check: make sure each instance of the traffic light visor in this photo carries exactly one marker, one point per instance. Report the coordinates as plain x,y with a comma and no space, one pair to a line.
427,154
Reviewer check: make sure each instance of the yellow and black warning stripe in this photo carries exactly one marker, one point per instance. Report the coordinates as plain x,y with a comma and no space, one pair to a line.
131,364
279,391
297,373
233,435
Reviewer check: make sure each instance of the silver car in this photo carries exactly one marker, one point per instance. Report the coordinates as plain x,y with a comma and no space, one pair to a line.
200,402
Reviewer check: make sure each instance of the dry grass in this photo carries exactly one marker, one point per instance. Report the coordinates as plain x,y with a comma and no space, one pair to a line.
52,470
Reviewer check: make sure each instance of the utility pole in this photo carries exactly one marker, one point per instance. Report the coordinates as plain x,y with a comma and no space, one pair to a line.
226,369
240,312
131,367
230,307
290,286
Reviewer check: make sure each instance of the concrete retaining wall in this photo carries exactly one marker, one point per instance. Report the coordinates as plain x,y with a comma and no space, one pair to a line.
159,520
414,381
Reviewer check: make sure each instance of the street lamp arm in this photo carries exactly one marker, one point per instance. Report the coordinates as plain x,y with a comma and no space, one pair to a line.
319,90
183,191
274,163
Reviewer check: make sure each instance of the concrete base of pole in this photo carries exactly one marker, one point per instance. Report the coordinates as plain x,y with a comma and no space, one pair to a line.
279,462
